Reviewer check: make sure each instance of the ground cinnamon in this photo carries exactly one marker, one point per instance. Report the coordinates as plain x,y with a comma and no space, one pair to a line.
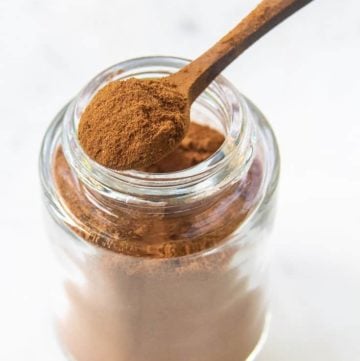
164,285
198,144
133,123
156,305
131,231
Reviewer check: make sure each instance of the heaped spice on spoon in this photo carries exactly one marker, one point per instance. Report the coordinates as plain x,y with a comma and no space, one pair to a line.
130,124
135,123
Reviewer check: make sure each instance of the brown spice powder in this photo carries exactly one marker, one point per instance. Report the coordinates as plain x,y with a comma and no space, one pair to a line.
133,123
200,143
162,307
133,231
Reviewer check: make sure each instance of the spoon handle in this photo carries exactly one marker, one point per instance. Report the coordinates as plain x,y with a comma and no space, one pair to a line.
196,76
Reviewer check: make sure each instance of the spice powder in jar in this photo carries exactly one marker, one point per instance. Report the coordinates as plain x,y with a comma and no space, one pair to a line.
167,263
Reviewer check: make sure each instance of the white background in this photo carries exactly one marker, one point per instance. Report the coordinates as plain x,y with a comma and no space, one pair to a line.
304,76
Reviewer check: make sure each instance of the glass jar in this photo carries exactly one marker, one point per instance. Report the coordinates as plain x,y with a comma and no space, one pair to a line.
162,267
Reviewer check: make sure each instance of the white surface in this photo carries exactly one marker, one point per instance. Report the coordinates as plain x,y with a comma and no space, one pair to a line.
305,77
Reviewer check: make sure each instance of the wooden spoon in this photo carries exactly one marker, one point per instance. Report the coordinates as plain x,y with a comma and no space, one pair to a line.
196,76
137,135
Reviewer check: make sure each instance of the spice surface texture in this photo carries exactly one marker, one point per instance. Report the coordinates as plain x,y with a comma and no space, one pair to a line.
133,123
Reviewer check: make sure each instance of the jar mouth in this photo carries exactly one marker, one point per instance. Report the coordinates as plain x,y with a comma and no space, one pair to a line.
221,98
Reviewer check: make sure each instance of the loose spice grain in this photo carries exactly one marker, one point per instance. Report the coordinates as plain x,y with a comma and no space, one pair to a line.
134,232
147,308
199,143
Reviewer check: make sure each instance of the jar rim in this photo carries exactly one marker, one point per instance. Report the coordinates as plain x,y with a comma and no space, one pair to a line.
239,137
